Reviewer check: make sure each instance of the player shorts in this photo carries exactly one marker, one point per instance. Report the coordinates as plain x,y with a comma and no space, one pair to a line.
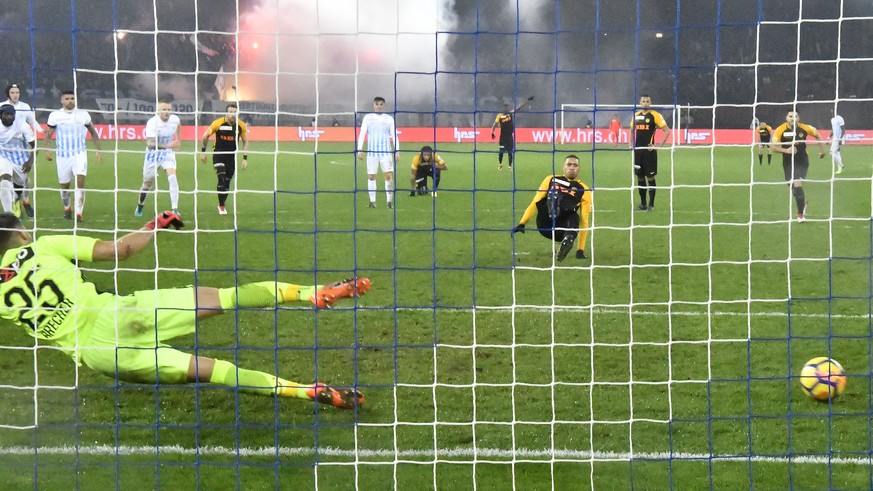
645,162
565,223
69,167
150,169
7,168
376,161
507,145
226,162
796,168
127,339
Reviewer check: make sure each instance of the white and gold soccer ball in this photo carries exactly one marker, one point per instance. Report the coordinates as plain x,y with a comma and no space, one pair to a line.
823,378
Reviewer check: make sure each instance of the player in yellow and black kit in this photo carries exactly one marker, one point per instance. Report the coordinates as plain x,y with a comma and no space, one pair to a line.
789,139
559,204
426,163
506,120
227,130
646,121
764,132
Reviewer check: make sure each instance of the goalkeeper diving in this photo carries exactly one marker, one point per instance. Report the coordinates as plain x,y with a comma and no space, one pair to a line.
123,336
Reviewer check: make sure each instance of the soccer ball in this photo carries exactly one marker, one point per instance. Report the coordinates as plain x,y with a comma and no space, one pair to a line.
823,378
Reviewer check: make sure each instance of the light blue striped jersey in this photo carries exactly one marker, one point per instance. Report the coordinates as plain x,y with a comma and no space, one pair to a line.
70,131
380,133
24,112
163,132
14,142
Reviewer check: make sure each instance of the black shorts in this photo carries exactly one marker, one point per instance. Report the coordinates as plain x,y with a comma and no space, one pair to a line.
507,145
796,169
765,140
425,171
562,221
645,162
227,161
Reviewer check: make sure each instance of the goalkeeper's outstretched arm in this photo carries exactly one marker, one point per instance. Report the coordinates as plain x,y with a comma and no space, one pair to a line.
134,242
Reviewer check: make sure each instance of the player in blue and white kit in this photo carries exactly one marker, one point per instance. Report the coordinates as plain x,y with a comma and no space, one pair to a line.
838,137
23,112
17,144
162,138
71,123
382,149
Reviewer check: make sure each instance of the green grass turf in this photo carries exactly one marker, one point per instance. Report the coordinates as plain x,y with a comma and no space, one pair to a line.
674,339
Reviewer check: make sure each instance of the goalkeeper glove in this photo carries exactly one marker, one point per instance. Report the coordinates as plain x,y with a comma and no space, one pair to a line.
166,219
518,228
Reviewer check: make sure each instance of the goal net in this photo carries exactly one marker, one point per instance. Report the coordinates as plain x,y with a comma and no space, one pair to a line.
664,351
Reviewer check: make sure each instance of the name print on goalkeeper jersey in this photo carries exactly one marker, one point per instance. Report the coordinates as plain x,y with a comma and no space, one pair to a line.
40,287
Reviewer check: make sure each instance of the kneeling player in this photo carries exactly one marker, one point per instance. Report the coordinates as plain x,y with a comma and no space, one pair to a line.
426,164
559,204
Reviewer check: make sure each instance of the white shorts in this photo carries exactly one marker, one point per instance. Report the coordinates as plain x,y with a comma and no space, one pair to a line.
375,161
150,169
7,168
69,167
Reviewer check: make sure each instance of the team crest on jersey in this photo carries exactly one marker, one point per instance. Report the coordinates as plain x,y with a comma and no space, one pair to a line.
11,271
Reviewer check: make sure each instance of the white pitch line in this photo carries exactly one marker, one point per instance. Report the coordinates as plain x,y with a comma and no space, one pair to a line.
442,454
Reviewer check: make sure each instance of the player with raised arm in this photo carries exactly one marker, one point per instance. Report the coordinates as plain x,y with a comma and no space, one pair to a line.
559,204
645,123
506,121
764,133
228,130
72,125
123,336
383,149
17,151
789,139
426,163
838,139
162,139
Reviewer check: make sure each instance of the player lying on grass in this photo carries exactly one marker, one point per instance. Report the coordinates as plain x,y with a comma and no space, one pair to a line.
123,336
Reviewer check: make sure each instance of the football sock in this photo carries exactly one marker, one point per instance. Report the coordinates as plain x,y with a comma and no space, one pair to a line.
389,189
143,192
511,159
254,382
760,160
174,191
799,198
80,200
65,198
6,194
436,180
768,158
223,186
652,192
371,187
641,185
263,294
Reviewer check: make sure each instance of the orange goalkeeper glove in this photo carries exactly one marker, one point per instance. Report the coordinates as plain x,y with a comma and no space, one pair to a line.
166,219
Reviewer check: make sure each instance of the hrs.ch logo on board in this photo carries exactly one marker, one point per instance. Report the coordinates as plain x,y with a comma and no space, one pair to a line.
306,134
461,135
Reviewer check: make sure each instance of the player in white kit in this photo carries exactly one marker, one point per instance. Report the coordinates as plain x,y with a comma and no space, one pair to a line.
17,149
71,124
838,137
162,139
23,112
383,148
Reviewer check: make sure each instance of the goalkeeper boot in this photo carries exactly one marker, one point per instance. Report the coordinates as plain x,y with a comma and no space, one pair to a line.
566,245
343,398
138,211
28,208
349,288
